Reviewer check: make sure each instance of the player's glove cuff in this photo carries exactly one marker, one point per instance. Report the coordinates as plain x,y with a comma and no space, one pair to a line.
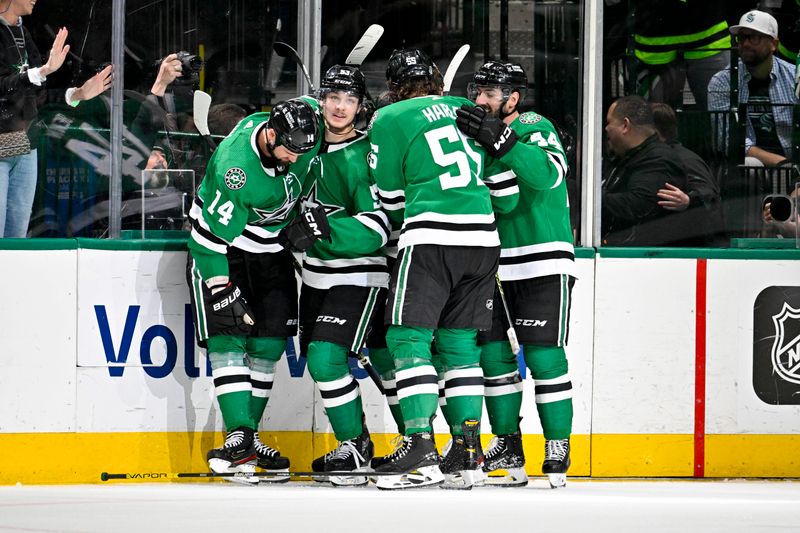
227,312
308,227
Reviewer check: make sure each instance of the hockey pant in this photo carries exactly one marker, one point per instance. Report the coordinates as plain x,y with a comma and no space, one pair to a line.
553,389
417,378
243,369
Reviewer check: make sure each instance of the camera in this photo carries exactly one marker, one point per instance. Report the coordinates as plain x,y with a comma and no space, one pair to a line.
190,67
780,206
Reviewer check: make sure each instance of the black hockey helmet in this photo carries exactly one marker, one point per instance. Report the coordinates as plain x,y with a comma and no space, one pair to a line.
345,78
409,63
509,77
296,125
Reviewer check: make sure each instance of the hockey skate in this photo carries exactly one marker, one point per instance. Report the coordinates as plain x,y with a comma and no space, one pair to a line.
463,458
416,464
237,456
505,453
556,462
271,460
352,455
396,443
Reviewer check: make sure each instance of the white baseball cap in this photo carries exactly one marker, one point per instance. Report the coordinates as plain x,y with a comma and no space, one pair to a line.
757,21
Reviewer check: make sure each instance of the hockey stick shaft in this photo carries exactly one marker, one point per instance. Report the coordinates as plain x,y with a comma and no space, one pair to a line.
511,333
285,50
373,374
149,476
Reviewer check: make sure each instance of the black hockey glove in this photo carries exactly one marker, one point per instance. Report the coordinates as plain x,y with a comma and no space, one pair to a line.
227,312
305,229
492,133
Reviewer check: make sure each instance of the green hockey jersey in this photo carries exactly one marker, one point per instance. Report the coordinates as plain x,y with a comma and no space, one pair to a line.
429,175
340,183
536,235
241,202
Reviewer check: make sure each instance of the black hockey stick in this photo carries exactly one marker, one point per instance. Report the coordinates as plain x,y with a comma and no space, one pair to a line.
150,476
364,45
373,374
285,50
452,68
511,333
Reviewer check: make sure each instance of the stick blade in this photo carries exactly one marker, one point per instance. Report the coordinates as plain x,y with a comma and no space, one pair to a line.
202,101
364,45
452,68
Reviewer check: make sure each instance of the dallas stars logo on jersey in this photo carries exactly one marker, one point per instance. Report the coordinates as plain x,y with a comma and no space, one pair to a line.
268,216
311,201
235,178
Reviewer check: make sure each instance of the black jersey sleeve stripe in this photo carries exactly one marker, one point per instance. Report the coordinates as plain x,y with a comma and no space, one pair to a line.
207,234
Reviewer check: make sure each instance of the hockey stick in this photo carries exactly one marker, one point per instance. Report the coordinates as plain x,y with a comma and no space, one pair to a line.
511,333
452,68
285,50
149,476
364,45
201,105
373,374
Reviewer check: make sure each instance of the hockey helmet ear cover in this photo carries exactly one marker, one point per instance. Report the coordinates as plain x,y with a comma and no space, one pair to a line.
296,125
409,63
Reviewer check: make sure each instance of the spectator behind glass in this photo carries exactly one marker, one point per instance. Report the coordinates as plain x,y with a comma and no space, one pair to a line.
700,204
675,41
22,74
766,86
641,166
222,118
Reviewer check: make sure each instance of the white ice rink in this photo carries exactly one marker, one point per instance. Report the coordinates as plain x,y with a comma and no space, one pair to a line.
587,506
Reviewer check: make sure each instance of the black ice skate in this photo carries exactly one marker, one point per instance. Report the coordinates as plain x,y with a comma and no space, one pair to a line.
416,464
505,453
463,457
352,455
270,460
556,462
237,455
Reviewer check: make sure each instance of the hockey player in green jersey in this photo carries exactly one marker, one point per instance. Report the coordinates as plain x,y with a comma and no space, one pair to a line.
429,182
240,274
344,279
537,271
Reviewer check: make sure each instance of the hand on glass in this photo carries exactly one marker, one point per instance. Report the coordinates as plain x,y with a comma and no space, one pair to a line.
97,84
58,53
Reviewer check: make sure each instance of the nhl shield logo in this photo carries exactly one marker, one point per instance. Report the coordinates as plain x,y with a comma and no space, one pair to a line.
776,345
786,346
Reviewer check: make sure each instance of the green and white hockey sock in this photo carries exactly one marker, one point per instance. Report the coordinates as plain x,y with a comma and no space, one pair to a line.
263,353
502,387
417,390
327,364
232,387
439,366
463,377
382,362
549,369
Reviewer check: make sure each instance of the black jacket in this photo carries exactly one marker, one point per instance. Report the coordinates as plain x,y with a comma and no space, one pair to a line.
631,214
18,95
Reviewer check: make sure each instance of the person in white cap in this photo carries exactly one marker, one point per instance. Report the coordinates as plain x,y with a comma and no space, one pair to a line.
766,87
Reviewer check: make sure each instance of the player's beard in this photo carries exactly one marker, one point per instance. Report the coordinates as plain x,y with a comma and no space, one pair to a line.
489,111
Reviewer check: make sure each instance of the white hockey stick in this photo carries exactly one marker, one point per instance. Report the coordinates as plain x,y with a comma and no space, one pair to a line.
511,333
200,107
364,45
452,68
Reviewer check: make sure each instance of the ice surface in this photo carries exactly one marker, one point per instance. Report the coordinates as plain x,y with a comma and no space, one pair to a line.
584,505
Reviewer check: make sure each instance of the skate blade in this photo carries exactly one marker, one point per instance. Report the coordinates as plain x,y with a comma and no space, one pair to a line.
461,480
277,477
352,481
514,477
557,480
426,476
243,471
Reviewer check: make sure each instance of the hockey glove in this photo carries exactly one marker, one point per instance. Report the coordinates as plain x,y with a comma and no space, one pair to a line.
227,312
492,133
305,229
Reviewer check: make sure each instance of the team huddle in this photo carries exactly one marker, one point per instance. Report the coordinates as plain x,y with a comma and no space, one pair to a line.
434,239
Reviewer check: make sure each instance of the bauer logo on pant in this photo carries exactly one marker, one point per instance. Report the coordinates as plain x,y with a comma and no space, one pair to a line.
776,345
